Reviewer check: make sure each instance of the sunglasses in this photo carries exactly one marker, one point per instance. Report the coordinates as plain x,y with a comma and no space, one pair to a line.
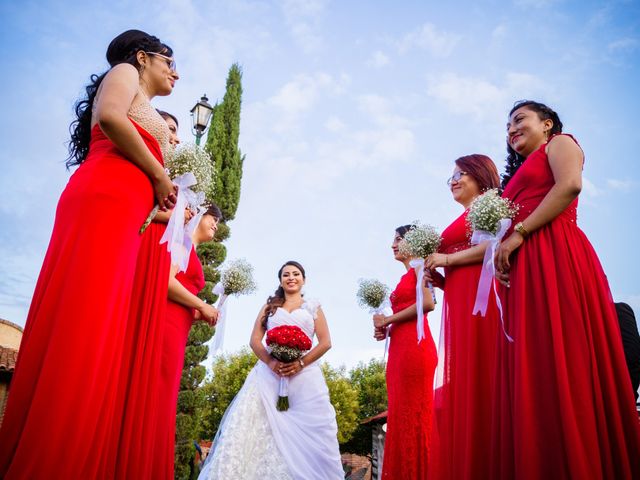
171,63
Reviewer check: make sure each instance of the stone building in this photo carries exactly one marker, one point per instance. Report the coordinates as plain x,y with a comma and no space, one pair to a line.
10,338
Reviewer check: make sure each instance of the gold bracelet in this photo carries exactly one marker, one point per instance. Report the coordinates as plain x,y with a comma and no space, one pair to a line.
519,227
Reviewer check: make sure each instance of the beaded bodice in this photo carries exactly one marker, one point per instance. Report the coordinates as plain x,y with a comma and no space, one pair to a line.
143,113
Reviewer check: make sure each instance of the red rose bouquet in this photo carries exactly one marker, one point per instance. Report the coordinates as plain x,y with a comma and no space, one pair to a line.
287,343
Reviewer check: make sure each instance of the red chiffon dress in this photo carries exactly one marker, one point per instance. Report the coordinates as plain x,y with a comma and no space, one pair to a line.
63,402
178,322
563,406
140,375
461,441
410,370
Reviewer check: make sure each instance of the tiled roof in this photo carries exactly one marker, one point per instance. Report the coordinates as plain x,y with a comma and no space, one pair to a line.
379,418
8,357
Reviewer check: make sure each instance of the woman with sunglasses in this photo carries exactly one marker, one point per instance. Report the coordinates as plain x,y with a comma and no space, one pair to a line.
64,415
461,435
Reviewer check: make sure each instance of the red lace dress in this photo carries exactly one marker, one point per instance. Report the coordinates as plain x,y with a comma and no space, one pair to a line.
178,322
410,372
64,394
564,406
462,399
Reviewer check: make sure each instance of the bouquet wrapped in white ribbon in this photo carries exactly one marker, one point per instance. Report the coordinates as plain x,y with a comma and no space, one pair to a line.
489,218
418,243
374,295
236,278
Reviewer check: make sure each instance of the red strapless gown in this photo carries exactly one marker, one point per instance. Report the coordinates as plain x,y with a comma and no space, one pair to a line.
564,406
178,322
461,441
410,372
64,393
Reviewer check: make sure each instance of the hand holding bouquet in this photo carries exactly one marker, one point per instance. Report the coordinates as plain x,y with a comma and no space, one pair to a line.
418,243
489,218
236,279
288,343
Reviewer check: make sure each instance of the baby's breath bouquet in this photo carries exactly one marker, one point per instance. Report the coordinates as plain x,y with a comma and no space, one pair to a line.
236,278
191,158
372,294
488,209
418,243
489,217
188,159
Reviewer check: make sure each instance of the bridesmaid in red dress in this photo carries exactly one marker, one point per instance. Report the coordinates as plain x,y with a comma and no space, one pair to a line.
564,406
461,439
62,413
410,370
181,309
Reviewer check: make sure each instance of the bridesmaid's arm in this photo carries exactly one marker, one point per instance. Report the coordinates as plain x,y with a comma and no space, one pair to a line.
408,313
257,334
322,347
469,256
566,160
179,294
117,91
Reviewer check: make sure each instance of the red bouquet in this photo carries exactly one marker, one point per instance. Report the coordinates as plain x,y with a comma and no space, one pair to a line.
287,343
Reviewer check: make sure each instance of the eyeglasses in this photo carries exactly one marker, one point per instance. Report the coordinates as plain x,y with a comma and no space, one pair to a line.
171,63
456,177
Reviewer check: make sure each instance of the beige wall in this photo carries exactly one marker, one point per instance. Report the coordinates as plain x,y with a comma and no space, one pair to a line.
10,334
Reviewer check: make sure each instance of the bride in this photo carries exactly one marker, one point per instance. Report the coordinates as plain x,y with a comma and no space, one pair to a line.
255,440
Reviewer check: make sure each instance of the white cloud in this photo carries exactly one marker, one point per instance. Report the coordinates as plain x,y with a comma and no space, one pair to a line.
589,189
429,38
334,124
481,98
627,44
499,32
621,185
303,19
378,60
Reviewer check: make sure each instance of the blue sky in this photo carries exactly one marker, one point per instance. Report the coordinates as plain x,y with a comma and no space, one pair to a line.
353,113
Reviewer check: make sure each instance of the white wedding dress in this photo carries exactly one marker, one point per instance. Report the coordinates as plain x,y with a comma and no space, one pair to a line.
256,441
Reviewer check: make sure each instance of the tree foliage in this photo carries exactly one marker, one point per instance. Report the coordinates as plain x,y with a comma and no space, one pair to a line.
370,382
344,398
222,144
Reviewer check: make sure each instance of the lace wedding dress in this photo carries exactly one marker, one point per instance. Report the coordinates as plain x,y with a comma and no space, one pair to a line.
256,441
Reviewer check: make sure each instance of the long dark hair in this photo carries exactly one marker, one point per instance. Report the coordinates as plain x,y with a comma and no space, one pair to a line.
122,49
514,159
482,169
277,299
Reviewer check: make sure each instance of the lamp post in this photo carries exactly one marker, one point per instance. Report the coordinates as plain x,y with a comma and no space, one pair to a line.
200,116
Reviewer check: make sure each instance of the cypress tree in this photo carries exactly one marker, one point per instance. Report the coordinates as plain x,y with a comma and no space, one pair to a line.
222,145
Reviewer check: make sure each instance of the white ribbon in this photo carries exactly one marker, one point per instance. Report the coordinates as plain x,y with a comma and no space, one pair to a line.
175,234
418,266
283,391
383,309
218,337
488,274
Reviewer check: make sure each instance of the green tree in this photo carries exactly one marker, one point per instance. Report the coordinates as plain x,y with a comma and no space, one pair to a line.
370,382
222,144
228,376
344,398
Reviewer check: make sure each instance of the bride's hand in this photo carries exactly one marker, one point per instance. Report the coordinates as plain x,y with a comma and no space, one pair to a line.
291,368
276,366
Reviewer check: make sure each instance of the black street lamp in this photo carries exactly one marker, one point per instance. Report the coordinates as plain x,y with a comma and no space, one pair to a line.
200,116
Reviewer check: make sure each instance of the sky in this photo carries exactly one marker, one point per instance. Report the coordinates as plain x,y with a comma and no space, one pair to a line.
353,114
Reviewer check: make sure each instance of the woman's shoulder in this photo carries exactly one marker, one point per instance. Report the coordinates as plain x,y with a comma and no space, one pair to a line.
312,305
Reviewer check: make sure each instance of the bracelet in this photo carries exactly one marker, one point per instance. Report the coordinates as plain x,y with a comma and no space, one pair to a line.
446,260
519,227
301,362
